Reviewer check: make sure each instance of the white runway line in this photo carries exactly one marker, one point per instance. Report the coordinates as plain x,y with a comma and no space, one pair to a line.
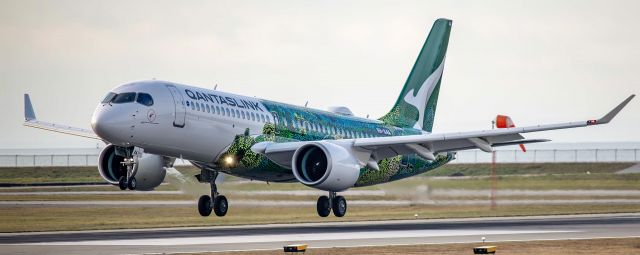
56,193
56,187
310,193
432,192
300,237
288,203
525,192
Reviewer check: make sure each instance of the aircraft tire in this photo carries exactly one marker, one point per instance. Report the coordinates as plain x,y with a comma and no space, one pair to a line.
339,206
132,183
323,206
220,205
122,183
204,205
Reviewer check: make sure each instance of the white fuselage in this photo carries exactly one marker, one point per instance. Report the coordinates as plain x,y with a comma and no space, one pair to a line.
188,129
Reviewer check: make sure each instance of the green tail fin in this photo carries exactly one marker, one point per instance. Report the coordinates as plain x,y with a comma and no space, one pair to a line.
416,105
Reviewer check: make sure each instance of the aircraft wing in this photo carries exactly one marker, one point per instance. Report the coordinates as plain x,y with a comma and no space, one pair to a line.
31,121
428,145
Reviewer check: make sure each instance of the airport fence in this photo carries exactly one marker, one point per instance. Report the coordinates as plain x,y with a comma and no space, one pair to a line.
471,156
551,156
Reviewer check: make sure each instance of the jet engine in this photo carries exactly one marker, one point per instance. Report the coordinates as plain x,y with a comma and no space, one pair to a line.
325,166
150,168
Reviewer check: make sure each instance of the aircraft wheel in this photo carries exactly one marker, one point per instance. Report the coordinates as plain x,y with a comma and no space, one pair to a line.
204,206
323,206
220,205
339,206
132,183
122,182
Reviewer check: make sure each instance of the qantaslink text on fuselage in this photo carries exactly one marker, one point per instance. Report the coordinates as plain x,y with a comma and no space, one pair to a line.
230,101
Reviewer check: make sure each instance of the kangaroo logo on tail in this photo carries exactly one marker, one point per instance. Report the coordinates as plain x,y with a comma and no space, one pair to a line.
419,101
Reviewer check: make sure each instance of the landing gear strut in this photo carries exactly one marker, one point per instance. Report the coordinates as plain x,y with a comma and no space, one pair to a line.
216,202
336,203
129,181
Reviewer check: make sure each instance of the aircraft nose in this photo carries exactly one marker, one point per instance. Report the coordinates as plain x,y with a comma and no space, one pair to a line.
111,125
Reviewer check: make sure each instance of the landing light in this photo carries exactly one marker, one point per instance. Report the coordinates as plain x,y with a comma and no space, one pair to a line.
228,160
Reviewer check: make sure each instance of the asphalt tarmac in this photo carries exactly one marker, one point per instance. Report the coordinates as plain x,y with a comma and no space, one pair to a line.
318,235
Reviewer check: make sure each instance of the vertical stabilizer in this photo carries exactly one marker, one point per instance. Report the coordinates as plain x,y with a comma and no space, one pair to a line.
416,105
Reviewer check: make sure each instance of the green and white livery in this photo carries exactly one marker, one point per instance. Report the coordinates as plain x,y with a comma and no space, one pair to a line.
416,105
149,124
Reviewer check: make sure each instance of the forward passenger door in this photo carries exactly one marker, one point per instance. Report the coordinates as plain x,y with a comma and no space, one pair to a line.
180,108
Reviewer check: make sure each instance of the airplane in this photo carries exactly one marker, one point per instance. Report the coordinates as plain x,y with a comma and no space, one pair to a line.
149,124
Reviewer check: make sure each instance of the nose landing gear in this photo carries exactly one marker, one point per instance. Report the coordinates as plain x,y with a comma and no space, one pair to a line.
337,204
216,202
129,181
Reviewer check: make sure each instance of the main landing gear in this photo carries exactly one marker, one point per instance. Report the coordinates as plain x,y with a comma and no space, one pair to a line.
129,181
216,202
336,203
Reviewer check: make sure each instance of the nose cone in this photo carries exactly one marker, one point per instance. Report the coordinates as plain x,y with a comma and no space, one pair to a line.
112,124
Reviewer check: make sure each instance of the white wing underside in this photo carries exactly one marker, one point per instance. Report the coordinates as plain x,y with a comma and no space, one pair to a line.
428,145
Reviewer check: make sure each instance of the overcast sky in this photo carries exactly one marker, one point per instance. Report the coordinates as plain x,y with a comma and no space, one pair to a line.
537,61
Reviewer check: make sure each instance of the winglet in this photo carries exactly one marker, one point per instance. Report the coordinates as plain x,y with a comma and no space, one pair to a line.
28,109
607,118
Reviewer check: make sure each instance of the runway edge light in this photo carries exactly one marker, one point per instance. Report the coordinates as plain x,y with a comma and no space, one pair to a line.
485,250
294,248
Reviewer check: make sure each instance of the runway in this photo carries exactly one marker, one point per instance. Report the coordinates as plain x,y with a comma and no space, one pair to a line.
317,235
310,203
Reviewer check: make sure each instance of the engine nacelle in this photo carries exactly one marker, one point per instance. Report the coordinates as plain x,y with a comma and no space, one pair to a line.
325,166
150,173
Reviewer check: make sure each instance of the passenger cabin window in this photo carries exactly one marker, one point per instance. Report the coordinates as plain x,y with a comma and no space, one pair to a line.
124,98
144,99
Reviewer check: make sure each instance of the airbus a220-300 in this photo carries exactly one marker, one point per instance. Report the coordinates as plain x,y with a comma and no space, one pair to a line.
149,124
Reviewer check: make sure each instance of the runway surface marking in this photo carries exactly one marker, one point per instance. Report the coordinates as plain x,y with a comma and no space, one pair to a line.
335,234
434,192
289,203
301,237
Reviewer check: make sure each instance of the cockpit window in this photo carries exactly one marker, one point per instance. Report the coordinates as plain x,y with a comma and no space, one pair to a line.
109,97
124,98
145,99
